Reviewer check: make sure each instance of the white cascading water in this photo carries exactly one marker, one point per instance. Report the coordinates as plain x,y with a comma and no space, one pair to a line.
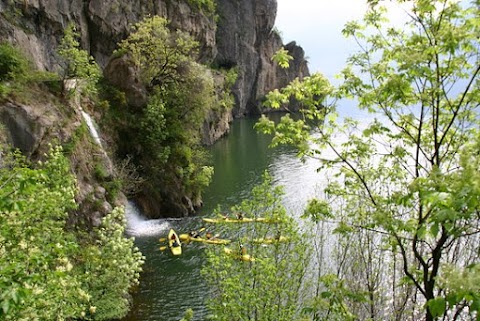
91,127
137,225
96,137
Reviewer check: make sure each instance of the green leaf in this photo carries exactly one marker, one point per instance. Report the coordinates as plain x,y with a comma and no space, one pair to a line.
437,307
317,210
282,58
343,228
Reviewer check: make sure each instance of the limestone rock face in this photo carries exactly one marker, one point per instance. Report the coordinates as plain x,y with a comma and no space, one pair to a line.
246,40
122,74
27,125
242,36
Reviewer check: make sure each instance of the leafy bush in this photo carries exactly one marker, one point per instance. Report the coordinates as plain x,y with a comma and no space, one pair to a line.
36,260
12,63
47,270
79,64
113,266
181,92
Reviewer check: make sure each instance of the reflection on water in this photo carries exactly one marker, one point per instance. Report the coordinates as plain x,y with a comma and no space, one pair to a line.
170,285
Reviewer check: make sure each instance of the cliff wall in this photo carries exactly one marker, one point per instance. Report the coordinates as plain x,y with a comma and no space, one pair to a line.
240,34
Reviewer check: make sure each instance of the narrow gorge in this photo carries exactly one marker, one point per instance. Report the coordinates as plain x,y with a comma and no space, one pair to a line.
238,36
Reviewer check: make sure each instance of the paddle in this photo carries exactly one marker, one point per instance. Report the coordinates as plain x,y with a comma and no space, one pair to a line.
163,248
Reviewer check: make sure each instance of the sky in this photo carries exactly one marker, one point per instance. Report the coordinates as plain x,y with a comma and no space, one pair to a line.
316,25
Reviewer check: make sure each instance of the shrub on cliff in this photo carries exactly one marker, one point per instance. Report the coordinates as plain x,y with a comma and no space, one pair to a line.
48,270
12,62
181,92
78,64
17,74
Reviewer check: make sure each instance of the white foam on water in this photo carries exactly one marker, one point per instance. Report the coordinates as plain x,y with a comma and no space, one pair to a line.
138,225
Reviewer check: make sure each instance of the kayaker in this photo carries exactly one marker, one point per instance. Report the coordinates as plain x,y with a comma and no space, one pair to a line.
194,234
175,242
243,250
239,216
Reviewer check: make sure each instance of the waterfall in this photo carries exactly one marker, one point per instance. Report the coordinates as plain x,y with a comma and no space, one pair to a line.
96,137
137,225
91,127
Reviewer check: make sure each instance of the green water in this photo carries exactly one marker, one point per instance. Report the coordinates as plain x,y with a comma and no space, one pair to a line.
170,285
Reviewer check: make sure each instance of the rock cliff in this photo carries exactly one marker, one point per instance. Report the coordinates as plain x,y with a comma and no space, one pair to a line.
240,34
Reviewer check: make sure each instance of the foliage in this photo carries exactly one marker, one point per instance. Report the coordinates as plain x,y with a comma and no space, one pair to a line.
224,95
48,270
404,187
17,73
188,315
12,63
282,58
36,251
112,266
181,93
271,287
157,52
208,6
79,65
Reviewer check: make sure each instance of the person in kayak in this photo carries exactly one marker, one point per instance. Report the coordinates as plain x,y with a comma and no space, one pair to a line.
194,234
175,242
243,250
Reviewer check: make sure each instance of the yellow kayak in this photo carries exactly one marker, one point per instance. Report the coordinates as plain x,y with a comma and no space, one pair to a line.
237,220
174,243
188,238
243,257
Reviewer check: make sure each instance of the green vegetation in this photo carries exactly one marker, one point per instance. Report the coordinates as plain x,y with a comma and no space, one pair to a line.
79,65
225,98
403,190
271,287
12,63
47,269
158,52
282,58
181,93
17,75
207,6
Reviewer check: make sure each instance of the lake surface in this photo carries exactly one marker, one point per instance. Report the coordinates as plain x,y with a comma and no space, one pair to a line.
170,285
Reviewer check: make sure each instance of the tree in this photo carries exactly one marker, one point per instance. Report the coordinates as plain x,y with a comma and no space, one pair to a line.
409,179
36,251
158,52
79,65
181,93
271,287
